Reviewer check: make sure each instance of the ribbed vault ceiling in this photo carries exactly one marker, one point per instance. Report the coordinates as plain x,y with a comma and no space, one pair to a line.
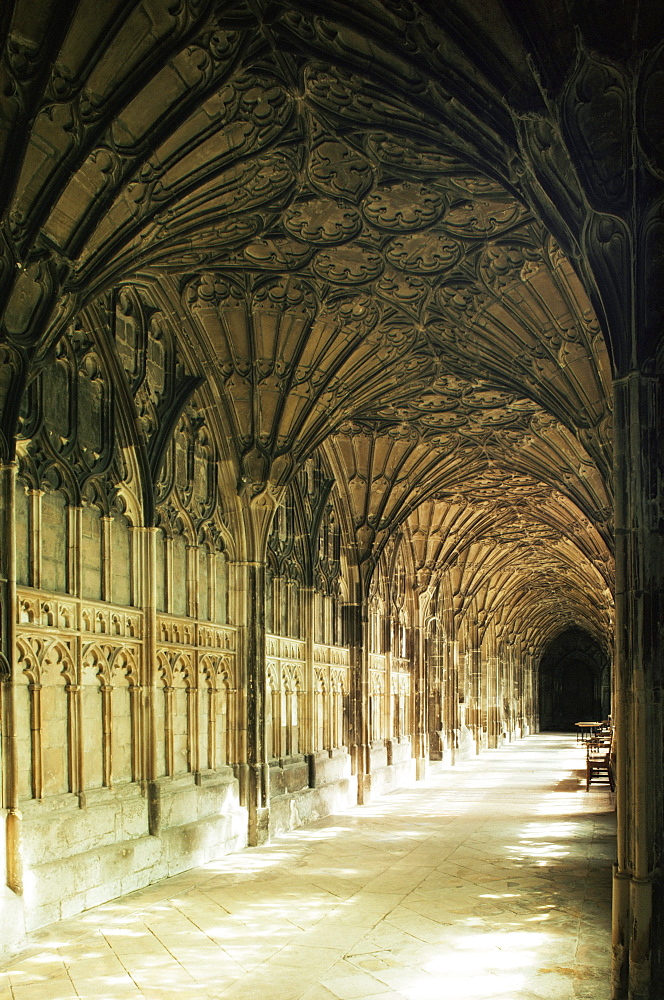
329,205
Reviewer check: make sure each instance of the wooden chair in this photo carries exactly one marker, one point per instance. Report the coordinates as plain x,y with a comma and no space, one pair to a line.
599,760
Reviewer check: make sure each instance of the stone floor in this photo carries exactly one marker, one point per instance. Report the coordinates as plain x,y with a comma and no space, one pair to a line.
490,880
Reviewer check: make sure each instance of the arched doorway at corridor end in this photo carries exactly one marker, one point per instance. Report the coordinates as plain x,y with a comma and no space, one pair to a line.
574,681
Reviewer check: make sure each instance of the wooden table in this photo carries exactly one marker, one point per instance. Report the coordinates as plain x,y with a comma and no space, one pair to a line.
589,726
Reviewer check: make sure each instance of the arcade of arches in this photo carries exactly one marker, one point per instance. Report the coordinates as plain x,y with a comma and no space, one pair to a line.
329,404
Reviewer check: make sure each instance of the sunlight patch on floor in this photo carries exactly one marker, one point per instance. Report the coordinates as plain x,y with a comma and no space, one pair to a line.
453,890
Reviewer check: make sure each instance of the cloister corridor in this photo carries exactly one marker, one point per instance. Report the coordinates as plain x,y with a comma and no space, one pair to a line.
486,881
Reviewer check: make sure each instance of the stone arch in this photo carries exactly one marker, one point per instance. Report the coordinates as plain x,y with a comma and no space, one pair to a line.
28,713
321,710
273,712
164,714
216,712
125,717
574,674
96,721
184,698
59,677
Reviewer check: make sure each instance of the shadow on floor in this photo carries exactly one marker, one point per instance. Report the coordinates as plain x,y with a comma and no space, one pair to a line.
572,784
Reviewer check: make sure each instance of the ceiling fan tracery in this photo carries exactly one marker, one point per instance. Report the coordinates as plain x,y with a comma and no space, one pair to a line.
354,252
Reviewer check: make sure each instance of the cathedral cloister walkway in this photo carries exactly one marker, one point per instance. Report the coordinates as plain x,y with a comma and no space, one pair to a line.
487,880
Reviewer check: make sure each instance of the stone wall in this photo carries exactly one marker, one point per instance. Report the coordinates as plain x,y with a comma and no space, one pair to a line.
194,666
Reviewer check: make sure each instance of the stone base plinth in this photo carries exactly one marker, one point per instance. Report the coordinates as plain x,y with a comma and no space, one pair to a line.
122,839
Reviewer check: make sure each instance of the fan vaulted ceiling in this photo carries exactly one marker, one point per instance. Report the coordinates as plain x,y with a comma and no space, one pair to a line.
329,205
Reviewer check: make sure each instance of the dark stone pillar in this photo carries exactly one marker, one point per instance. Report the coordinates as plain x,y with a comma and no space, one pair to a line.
638,932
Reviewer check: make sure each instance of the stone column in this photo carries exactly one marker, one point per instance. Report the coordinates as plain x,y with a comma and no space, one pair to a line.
638,927
75,587
465,737
516,687
212,584
36,729
451,696
420,707
474,681
12,930
74,739
362,677
106,734
168,740
389,625
254,770
146,544
353,637
307,724
486,651
106,558
531,692
508,688
14,865
430,664
144,593
192,726
34,539
192,580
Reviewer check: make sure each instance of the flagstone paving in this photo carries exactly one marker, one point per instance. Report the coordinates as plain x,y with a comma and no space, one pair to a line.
487,881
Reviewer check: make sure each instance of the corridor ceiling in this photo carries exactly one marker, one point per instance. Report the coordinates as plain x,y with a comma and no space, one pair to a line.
335,206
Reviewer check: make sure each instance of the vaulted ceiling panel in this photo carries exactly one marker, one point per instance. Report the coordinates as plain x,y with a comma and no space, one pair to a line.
336,209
